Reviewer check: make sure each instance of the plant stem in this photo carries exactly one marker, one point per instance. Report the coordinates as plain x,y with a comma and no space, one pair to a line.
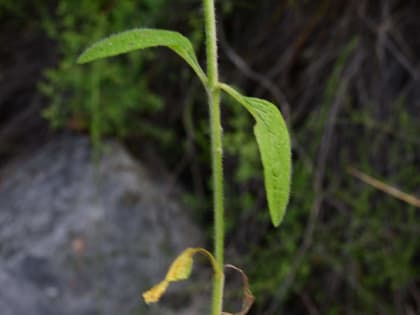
213,92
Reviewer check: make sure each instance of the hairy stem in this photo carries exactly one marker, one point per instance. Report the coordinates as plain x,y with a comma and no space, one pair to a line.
213,92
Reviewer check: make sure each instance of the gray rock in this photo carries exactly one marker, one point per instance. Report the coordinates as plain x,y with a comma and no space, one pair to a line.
82,238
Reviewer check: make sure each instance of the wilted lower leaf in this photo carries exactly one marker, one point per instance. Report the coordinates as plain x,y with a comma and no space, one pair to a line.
274,145
180,269
154,294
182,266
248,298
140,39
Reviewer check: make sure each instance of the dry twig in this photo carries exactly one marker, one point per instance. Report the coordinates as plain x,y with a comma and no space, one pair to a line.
388,189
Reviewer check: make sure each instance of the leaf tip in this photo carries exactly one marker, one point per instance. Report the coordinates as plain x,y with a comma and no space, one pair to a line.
276,222
278,216
81,59
154,294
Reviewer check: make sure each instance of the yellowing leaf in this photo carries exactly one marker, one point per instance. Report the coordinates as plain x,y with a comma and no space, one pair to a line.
180,269
182,266
154,294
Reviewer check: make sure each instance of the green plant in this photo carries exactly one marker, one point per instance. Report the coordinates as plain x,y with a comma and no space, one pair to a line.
270,131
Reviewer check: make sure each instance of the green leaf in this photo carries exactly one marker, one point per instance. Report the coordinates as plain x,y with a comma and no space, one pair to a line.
274,144
144,38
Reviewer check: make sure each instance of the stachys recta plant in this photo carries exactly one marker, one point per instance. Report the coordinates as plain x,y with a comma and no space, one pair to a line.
270,131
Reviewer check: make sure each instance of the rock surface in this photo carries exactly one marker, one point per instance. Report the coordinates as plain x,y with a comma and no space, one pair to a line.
84,239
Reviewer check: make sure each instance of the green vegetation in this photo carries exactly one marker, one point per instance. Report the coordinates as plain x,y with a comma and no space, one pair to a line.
344,247
86,98
270,131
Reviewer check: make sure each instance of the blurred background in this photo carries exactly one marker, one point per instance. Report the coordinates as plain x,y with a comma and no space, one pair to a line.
346,76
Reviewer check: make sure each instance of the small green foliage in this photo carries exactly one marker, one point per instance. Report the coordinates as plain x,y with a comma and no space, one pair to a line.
274,145
140,39
124,101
